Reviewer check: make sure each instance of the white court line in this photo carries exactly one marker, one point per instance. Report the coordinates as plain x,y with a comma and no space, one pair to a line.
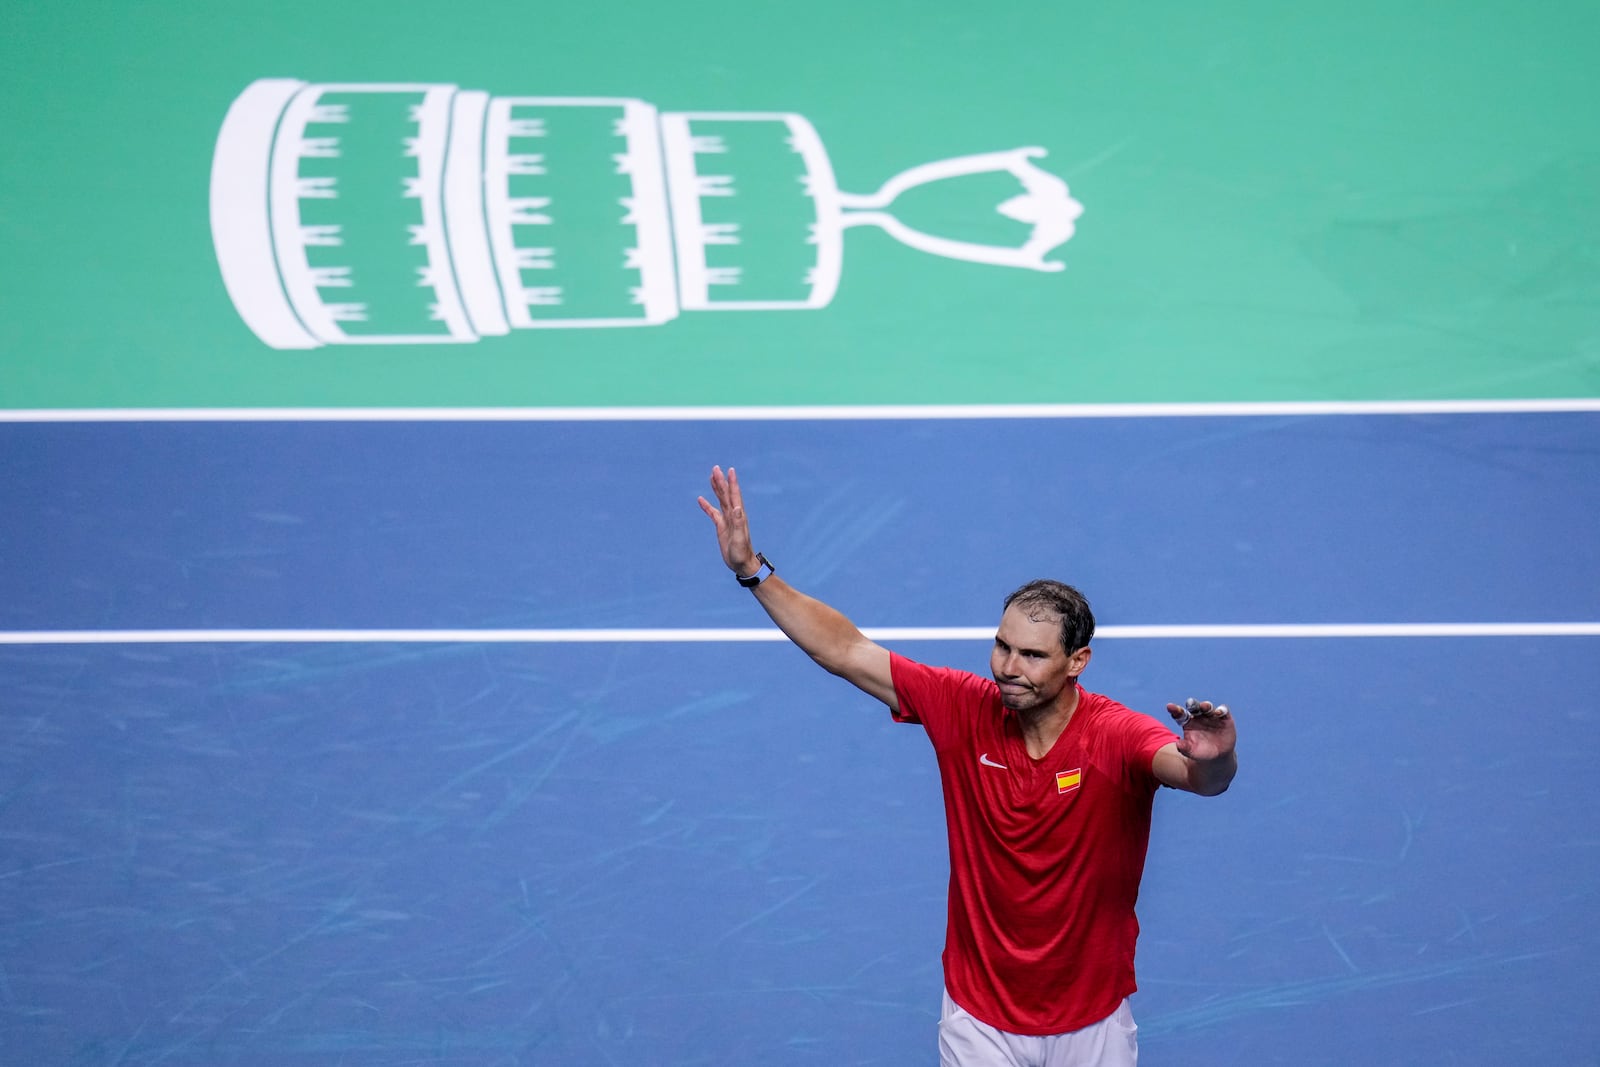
834,412
704,636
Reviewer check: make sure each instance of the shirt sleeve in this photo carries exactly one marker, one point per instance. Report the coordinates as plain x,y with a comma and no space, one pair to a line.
1144,736
912,687
936,698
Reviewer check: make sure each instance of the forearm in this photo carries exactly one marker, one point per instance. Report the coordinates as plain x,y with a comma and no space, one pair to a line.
822,632
1213,776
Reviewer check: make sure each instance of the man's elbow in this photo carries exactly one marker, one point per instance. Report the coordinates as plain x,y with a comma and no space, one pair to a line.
832,661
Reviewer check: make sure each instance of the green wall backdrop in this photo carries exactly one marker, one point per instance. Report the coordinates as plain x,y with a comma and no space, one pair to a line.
1280,202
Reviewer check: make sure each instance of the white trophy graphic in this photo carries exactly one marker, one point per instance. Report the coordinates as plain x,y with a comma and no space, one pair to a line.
422,213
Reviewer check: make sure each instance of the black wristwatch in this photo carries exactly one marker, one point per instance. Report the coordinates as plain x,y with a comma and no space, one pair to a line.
760,575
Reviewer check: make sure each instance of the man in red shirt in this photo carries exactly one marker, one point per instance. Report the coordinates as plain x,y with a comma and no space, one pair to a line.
1048,791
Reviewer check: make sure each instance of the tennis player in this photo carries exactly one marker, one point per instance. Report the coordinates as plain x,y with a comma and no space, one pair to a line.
1048,790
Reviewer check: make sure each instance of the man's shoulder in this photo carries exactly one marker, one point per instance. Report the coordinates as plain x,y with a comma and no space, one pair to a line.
923,682
1112,717
902,664
1101,705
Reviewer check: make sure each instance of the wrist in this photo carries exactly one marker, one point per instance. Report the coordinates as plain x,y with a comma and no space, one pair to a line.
755,572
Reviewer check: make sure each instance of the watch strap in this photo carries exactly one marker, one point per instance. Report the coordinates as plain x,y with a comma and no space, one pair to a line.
764,569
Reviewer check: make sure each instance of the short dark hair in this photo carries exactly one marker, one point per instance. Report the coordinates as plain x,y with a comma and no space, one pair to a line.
1058,598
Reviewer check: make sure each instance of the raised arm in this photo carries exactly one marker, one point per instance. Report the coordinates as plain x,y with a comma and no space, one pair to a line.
822,632
1204,760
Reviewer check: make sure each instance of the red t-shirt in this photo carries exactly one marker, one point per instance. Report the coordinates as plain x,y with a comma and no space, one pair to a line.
1045,855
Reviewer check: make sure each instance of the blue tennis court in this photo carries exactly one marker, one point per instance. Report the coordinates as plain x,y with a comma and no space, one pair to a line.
375,696
583,847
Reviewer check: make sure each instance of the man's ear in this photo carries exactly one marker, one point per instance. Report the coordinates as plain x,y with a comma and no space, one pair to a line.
1079,660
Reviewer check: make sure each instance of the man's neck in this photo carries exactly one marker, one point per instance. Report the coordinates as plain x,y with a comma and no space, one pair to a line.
1042,727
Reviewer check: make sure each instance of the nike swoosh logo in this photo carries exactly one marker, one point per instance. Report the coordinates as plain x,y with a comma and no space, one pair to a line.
987,762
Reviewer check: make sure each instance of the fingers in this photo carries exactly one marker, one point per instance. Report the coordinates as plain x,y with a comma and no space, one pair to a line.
1192,709
733,529
711,512
726,488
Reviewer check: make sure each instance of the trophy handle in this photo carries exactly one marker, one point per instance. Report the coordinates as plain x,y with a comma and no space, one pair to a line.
1046,204
1015,161
1030,256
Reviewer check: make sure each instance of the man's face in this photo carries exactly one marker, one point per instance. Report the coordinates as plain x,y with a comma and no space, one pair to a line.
1028,662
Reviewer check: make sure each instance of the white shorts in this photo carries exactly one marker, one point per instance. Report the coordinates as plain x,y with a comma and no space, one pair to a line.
966,1042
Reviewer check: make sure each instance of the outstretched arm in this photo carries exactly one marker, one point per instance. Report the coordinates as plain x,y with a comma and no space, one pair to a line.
1203,761
822,632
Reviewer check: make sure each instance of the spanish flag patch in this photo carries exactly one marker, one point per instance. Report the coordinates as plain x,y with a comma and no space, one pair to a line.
1067,781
